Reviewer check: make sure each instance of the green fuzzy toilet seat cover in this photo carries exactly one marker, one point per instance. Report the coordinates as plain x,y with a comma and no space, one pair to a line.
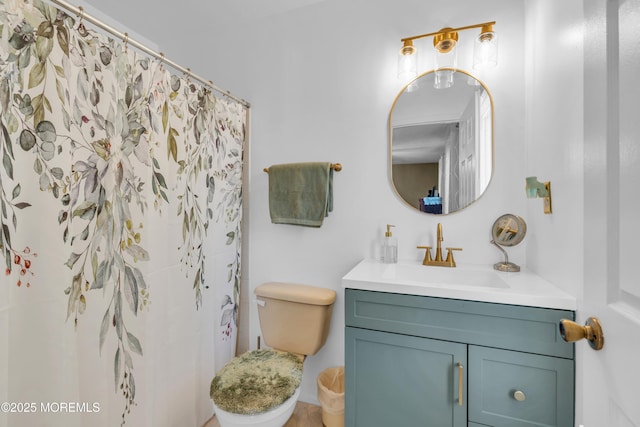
256,382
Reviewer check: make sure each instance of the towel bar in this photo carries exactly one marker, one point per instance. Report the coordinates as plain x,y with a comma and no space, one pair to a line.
335,166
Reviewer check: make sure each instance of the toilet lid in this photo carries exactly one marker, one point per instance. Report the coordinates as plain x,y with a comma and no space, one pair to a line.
256,381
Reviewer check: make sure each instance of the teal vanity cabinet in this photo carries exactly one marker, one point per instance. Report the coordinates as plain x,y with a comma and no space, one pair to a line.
414,361
399,380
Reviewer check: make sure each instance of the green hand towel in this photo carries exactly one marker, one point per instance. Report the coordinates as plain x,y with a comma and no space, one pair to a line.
300,193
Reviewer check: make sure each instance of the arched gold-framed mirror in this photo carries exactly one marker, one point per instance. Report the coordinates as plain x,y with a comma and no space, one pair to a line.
441,142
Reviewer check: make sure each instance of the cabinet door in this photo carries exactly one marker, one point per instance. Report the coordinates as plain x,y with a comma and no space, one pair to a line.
512,389
399,380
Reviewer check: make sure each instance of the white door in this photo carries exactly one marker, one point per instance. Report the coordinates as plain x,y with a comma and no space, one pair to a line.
611,377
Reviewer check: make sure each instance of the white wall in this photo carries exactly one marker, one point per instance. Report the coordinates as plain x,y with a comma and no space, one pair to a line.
554,145
321,80
554,138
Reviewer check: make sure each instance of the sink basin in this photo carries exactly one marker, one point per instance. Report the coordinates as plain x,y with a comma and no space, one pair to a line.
464,282
412,274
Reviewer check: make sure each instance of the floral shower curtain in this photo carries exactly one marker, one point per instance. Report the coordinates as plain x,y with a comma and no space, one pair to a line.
120,197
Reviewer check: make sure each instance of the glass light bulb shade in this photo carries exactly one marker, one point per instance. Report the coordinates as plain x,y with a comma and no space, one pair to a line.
443,79
407,66
485,50
445,59
472,81
412,87
444,62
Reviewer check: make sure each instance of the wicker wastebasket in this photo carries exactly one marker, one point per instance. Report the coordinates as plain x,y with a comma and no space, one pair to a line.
331,396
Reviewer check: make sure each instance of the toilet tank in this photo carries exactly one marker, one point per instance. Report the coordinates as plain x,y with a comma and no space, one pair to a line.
293,317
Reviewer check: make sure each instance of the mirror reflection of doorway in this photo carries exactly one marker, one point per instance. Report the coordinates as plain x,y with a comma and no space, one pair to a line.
441,143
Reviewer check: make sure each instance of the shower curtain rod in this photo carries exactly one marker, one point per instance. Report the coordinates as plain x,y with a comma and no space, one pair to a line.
79,11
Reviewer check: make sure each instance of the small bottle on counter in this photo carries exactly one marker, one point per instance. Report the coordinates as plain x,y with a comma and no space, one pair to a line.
389,247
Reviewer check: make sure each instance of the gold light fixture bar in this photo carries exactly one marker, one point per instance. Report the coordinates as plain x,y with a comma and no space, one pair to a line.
485,26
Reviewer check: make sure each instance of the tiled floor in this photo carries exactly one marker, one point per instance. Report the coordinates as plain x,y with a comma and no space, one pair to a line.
305,415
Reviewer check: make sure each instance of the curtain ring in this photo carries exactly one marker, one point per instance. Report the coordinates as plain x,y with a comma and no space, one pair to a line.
126,41
187,74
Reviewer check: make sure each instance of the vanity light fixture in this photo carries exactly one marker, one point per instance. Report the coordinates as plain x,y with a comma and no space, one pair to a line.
537,189
444,43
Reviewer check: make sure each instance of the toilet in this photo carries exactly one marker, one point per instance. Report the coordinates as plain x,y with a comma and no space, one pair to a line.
261,387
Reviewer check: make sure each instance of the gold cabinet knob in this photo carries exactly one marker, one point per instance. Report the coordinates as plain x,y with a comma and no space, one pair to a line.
519,396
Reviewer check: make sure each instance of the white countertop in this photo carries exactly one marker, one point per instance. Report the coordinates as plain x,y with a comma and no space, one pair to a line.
474,283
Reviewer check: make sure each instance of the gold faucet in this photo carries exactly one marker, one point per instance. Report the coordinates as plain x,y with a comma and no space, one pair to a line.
438,261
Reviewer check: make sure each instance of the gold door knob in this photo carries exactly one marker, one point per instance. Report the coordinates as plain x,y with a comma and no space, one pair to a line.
592,331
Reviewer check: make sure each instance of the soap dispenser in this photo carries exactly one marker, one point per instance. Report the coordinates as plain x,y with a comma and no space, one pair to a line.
389,247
